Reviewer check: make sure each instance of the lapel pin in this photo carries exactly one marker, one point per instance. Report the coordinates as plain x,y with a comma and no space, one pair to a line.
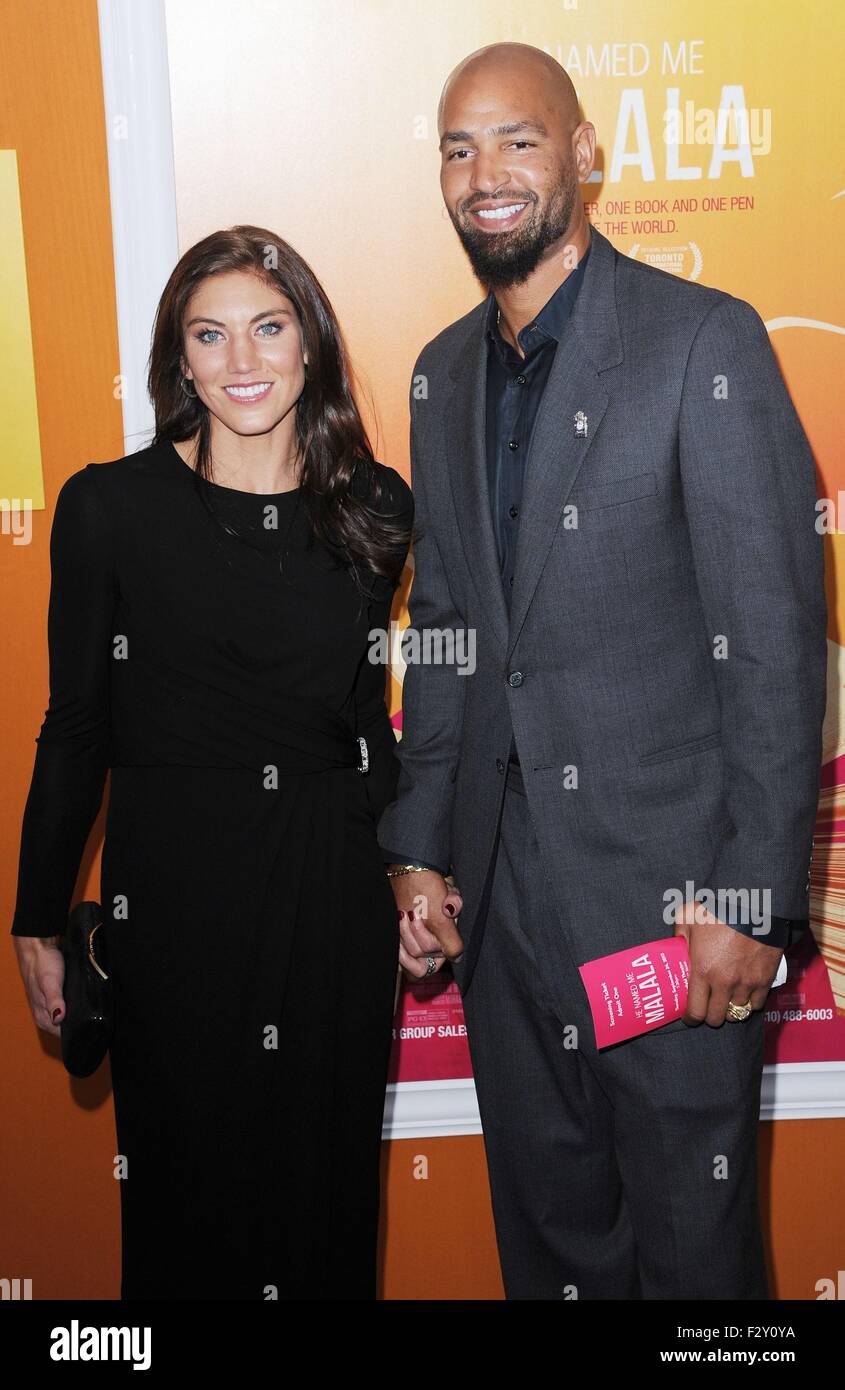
580,421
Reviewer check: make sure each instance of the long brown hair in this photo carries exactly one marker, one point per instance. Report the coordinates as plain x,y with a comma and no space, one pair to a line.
348,502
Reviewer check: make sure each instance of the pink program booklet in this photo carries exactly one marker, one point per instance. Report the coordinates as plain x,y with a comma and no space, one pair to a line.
640,989
637,990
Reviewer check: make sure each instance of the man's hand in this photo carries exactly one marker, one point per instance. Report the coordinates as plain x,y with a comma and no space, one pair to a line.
428,912
725,966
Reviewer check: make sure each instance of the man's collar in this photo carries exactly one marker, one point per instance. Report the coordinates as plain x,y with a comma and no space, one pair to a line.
551,319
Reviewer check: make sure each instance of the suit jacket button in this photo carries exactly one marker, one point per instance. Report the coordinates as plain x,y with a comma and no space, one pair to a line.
515,678
500,767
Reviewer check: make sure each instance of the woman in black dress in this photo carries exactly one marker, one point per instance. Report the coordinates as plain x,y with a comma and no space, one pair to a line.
211,601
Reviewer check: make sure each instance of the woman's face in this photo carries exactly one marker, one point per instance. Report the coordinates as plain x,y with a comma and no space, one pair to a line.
243,351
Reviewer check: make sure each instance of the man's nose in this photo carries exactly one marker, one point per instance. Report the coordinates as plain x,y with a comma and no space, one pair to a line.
489,173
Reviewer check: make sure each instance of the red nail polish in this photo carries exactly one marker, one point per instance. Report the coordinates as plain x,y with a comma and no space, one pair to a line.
401,913
450,908
55,1014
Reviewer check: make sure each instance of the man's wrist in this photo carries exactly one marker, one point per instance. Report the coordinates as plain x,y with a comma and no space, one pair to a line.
773,931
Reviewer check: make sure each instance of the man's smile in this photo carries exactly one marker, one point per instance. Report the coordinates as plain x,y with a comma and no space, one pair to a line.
498,216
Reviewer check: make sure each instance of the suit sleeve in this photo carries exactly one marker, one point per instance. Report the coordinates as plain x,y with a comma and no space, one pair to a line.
73,752
417,822
749,494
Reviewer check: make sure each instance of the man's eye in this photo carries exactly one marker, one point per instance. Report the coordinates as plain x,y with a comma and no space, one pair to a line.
528,144
455,153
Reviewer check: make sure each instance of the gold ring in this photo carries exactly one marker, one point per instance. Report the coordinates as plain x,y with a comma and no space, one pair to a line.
738,1012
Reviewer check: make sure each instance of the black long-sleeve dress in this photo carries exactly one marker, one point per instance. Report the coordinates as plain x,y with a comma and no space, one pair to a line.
250,926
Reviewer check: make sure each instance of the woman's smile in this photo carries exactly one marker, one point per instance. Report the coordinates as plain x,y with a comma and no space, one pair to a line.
250,394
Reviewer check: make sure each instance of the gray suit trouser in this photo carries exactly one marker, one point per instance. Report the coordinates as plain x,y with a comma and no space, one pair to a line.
627,1173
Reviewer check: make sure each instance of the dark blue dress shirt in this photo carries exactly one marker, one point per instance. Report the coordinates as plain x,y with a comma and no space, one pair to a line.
515,387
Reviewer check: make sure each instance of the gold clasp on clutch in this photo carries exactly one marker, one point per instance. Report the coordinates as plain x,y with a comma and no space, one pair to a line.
91,955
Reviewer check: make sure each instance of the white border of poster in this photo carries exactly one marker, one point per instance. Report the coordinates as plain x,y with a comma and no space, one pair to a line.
136,91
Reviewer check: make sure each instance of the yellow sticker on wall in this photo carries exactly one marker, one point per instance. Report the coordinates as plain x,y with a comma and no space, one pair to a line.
21,477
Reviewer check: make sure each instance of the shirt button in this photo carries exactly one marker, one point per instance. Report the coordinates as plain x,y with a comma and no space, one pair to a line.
512,444
520,381
514,512
500,767
515,678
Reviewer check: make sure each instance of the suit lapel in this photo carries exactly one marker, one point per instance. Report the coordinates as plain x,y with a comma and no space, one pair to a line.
466,448
556,457
590,344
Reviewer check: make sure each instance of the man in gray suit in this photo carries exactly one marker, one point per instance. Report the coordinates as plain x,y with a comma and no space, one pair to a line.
614,491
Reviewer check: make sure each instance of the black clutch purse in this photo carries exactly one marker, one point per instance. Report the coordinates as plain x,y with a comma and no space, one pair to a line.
86,1028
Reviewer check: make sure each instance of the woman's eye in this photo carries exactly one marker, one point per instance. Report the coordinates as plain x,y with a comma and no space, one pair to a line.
211,335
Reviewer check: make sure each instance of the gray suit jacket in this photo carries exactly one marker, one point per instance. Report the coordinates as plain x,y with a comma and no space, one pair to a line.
662,666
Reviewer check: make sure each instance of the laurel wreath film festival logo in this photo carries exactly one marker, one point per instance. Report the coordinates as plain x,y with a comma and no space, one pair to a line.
685,261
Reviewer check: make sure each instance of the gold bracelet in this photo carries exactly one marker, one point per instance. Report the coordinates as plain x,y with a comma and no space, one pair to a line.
408,869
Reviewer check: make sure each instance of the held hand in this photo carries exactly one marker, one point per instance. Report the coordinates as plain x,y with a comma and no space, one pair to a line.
725,966
42,968
428,911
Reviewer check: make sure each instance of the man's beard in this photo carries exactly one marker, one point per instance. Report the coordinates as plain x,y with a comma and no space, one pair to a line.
502,259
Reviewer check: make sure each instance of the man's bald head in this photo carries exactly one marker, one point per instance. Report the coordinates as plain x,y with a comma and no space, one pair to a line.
501,62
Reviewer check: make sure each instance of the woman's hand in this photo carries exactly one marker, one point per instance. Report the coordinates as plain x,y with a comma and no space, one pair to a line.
42,968
428,914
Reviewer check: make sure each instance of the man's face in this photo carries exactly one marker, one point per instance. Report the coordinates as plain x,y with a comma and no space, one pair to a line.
508,178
